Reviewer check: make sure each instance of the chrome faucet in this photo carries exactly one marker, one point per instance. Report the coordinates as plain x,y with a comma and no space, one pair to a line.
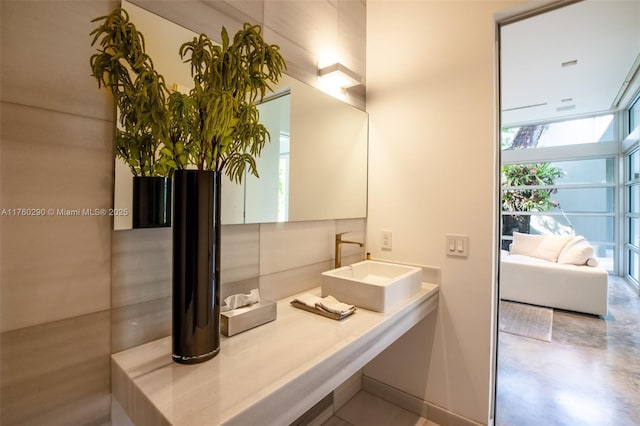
339,243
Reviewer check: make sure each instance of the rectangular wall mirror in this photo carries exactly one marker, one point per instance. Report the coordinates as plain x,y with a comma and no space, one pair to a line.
314,168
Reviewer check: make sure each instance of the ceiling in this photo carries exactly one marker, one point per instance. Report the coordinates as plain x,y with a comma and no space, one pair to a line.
570,61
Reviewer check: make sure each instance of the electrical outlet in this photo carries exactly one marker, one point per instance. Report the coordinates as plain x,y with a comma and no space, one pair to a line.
386,240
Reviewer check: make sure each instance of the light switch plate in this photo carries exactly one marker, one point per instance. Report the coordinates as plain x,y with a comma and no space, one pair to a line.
386,239
457,245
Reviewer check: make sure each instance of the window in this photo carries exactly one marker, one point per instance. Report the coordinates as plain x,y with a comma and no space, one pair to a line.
632,215
581,198
283,177
631,245
634,266
634,116
571,132
634,166
633,236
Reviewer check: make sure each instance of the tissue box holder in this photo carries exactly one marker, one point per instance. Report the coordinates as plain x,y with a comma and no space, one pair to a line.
242,319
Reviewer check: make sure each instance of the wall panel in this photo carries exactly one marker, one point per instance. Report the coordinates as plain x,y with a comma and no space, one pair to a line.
55,152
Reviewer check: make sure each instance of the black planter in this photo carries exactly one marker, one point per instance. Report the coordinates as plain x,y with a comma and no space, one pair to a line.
514,223
151,202
196,265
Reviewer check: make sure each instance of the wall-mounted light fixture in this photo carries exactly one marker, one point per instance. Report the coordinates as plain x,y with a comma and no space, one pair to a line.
337,75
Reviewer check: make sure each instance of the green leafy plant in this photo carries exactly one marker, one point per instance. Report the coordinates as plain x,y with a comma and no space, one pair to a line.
122,66
522,175
517,197
216,126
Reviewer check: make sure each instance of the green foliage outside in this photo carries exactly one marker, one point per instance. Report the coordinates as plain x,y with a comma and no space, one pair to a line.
523,175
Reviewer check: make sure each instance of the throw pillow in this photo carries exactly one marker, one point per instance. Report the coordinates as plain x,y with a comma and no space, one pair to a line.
577,252
525,244
575,240
551,246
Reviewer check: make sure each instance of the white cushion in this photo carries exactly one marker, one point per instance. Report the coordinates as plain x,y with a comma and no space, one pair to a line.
546,247
577,252
525,244
575,240
551,246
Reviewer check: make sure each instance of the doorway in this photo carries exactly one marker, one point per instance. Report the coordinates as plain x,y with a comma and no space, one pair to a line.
556,120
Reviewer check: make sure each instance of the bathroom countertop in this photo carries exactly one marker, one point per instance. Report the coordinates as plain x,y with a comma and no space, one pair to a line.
267,375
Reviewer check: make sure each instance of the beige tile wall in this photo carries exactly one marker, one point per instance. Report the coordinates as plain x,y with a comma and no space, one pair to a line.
57,373
55,279
292,255
72,290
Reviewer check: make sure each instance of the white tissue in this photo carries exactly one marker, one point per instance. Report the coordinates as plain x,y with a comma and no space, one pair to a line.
236,301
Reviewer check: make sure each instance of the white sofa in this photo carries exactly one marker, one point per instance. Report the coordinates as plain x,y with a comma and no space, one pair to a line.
553,271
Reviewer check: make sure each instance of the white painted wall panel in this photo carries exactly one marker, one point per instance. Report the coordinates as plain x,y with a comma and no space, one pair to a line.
433,167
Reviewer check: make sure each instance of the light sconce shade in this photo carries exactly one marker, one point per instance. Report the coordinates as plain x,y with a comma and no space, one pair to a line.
337,75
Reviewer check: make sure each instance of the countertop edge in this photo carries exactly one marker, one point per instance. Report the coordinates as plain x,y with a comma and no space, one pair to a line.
297,394
303,392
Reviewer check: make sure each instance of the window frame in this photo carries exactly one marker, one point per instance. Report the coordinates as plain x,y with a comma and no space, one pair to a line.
633,148
577,152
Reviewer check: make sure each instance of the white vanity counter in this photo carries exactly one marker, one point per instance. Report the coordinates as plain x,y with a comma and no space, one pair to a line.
269,375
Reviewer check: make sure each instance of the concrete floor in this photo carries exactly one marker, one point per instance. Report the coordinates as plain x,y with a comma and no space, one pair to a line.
589,374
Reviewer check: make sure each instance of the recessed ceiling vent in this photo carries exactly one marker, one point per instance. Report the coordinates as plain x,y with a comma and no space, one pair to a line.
566,99
566,108
570,63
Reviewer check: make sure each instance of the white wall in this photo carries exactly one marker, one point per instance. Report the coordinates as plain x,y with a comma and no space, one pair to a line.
328,169
432,171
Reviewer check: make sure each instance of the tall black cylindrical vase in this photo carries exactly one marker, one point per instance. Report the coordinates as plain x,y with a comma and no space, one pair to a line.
196,265
151,202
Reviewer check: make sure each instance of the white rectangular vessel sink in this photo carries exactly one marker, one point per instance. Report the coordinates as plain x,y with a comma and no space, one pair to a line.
372,285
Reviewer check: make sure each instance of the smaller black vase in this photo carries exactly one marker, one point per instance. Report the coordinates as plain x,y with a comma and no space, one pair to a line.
151,202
